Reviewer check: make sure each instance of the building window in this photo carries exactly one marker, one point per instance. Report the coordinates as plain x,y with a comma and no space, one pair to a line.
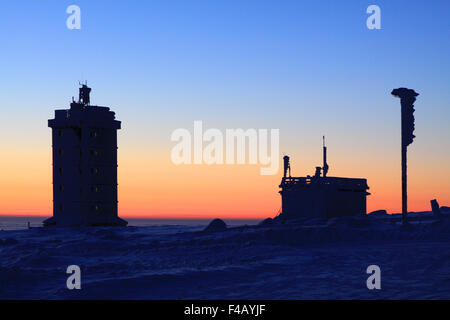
61,188
60,133
60,152
61,207
94,134
95,189
61,171
95,170
94,153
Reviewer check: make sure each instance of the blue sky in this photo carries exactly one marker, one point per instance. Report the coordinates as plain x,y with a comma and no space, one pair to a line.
246,57
308,67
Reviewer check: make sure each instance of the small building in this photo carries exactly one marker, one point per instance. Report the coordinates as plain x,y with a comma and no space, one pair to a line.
84,165
320,196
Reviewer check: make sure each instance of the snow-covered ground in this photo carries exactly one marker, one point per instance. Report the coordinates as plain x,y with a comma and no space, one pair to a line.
315,259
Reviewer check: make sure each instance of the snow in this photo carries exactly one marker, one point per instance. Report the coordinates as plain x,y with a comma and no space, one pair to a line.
309,259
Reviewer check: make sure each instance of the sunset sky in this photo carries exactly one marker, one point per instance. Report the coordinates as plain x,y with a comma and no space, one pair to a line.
308,68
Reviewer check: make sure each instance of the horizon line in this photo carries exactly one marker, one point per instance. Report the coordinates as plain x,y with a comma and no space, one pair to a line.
147,217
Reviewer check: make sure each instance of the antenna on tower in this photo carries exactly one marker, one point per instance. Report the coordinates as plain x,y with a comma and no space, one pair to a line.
84,94
287,166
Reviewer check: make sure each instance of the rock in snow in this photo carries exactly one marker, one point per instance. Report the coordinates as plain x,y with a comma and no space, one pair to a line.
378,213
266,222
217,225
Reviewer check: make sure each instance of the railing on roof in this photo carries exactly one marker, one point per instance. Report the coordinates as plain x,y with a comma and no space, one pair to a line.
298,182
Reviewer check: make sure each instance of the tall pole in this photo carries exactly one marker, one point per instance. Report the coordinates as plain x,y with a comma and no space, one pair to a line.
404,187
407,99
325,164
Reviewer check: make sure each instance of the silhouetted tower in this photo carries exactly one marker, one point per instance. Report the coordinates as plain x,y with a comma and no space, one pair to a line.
84,165
407,99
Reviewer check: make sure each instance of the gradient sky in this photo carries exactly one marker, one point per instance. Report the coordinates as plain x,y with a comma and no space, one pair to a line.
306,67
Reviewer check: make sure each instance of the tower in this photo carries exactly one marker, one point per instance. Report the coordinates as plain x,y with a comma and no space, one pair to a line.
84,165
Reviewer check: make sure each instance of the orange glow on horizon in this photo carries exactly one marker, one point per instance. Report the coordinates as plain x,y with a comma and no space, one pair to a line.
151,186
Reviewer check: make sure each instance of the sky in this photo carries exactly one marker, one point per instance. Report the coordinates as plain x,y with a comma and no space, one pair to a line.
308,68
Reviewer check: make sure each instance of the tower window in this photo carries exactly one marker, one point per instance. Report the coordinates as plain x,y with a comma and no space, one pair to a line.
61,207
94,153
60,171
60,152
60,133
61,188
